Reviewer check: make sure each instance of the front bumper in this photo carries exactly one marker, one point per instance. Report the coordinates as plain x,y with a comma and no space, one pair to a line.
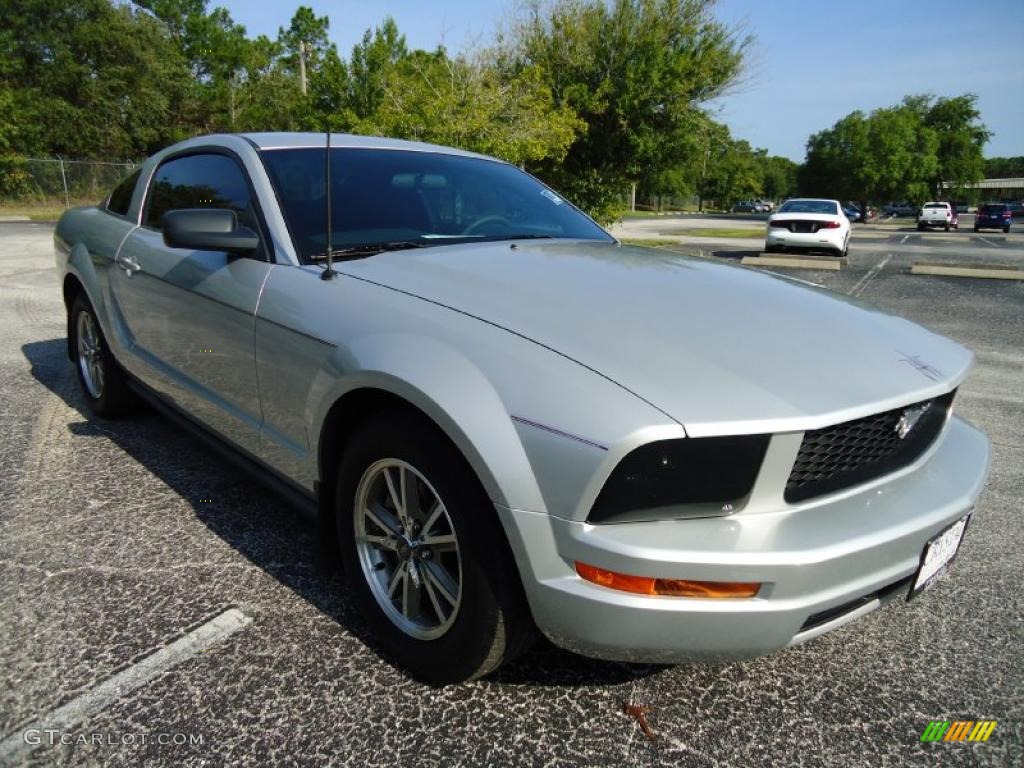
819,555
823,239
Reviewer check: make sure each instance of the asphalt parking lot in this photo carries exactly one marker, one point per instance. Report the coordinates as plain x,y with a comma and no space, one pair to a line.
120,538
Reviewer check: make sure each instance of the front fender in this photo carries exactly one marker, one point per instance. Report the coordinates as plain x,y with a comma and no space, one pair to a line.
451,390
539,429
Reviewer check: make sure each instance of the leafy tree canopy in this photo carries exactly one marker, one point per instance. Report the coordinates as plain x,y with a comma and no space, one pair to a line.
635,72
897,153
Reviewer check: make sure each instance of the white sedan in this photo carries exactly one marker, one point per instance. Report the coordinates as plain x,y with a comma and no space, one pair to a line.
808,224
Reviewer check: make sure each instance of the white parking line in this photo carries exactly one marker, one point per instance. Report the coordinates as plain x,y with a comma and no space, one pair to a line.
14,748
860,285
987,242
794,279
904,239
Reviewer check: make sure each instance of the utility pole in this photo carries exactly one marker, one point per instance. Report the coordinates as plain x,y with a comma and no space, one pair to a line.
302,66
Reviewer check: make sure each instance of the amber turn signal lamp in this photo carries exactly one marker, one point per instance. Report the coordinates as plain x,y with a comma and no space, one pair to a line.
646,585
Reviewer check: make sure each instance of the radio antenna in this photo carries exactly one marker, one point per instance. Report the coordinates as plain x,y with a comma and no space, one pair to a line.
328,273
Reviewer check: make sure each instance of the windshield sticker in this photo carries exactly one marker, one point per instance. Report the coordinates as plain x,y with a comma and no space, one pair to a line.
551,196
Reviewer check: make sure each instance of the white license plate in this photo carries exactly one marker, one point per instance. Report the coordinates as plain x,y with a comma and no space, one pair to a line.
938,554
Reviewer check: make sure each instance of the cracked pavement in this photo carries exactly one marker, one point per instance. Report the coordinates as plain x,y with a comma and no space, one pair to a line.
117,538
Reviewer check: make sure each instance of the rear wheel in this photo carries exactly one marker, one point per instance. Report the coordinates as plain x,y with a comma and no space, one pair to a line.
1006,229
976,229
102,381
425,555
920,227
947,226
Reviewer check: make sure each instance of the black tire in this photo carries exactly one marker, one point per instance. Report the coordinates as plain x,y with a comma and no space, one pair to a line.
770,248
947,227
1006,230
106,395
492,623
920,227
976,229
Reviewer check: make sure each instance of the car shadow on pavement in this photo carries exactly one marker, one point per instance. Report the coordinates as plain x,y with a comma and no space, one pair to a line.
265,529
731,254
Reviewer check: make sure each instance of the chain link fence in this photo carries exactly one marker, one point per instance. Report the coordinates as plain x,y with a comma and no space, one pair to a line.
56,181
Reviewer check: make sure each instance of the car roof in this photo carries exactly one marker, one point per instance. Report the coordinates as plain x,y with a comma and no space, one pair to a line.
300,140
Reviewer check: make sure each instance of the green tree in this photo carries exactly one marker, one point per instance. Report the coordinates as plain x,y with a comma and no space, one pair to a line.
372,63
85,78
897,153
961,135
733,174
779,176
994,167
468,103
887,155
635,72
215,50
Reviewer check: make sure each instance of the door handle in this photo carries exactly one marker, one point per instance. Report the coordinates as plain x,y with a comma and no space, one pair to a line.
127,263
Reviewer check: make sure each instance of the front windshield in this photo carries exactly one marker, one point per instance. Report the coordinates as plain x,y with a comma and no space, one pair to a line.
381,196
808,206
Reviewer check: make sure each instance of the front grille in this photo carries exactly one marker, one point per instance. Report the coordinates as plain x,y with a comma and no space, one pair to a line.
854,452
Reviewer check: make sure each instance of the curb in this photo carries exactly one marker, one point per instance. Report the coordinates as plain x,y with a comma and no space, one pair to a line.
987,271
799,262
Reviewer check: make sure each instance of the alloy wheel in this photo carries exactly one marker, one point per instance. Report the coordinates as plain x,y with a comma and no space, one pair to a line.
408,549
90,354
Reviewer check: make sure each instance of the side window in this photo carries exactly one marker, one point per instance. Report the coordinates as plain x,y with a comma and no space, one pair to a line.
199,181
120,199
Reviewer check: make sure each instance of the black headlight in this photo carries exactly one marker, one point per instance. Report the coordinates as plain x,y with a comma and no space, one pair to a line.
690,477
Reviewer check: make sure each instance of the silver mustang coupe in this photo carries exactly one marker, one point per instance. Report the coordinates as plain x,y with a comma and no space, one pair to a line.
506,420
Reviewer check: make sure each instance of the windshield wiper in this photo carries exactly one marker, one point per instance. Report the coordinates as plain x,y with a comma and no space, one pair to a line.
368,249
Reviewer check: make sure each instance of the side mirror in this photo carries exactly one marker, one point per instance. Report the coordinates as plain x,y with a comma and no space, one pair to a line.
208,229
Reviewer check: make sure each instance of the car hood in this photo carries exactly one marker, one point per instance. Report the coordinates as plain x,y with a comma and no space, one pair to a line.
719,348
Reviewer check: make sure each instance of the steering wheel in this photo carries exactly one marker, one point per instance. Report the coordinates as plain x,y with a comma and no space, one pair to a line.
472,228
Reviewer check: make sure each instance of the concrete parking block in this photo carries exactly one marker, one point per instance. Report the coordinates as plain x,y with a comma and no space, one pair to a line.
947,269
798,262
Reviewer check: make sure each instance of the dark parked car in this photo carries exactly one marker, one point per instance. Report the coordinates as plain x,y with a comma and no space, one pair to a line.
744,206
904,210
993,216
853,212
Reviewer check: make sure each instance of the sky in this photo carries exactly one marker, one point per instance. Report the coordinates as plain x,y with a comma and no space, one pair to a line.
810,63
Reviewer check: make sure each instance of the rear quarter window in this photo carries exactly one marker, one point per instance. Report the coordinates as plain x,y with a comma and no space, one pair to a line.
120,199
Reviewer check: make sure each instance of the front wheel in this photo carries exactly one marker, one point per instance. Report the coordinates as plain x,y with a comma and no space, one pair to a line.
425,555
102,380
